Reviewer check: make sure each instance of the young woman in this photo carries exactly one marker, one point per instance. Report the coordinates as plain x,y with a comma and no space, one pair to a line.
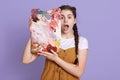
69,63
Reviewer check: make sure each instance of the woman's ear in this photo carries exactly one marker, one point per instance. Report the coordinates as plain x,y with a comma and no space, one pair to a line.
75,21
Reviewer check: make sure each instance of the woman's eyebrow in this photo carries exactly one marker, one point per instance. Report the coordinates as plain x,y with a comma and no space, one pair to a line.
62,15
68,15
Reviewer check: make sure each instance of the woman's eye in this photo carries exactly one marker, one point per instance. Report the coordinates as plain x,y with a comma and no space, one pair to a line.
69,17
61,17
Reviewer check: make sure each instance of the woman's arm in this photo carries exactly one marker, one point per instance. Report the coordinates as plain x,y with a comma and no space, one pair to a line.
28,57
76,70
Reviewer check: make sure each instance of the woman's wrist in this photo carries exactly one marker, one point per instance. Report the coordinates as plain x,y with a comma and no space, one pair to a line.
57,59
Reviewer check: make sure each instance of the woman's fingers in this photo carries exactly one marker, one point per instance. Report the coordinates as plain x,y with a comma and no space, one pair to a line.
30,20
30,23
44,54
53,52
51,56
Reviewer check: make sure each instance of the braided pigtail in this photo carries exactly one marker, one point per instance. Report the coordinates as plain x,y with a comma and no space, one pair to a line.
76,38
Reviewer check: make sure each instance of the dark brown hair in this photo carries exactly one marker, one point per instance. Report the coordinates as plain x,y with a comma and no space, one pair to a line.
76,35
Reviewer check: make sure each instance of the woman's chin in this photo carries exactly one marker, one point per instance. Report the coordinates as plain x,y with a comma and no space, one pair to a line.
65,31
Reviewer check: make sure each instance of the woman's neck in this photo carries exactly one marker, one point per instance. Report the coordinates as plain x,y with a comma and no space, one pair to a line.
68,35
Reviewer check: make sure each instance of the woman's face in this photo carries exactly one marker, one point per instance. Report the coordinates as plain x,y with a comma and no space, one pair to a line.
67,21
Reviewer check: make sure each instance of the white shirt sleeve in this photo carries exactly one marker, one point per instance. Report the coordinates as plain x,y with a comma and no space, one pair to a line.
83,43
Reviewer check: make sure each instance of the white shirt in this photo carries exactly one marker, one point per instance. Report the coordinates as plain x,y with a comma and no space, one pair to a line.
69,43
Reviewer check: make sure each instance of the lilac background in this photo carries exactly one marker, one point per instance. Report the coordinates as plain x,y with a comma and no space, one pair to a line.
98,21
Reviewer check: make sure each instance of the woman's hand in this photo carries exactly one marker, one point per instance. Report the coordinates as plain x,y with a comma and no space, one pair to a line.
30,23
51,56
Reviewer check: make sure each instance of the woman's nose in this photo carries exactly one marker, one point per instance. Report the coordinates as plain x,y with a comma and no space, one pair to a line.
65,20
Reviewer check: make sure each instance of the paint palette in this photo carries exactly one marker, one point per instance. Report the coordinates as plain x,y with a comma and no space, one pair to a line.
45,30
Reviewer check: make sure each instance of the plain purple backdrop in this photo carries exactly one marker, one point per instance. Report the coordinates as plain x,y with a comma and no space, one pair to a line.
97,20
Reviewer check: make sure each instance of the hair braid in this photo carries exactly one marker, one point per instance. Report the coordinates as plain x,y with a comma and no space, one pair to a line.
76,35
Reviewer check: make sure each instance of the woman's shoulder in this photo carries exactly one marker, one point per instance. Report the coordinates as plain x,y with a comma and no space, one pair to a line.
83,42
81,39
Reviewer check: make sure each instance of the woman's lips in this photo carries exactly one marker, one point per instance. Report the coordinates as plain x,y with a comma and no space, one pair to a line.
66,27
